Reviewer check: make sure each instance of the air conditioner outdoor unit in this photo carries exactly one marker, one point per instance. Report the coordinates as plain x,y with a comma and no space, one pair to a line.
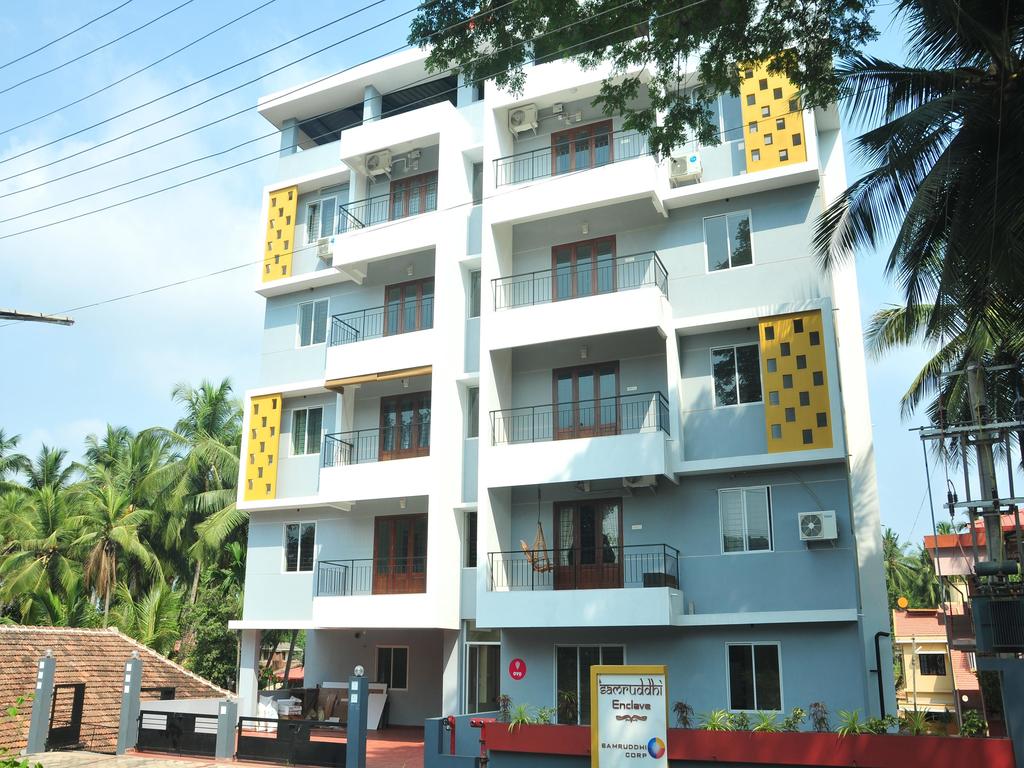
639,481
324,247
818,526
685,167
523,118
378,163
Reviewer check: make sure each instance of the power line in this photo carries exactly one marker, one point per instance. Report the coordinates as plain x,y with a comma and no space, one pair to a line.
196,82
137,71
64,36
97,48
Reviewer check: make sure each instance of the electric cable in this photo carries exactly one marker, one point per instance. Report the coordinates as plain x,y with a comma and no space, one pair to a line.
97,48
137,71
64,36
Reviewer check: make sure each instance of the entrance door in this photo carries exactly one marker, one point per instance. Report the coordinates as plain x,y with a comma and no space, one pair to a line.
400,554
580,148
409,306
414,195
583,269
588,544
586,401
405,426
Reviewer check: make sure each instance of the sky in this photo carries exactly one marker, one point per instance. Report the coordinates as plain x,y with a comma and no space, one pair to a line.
120,361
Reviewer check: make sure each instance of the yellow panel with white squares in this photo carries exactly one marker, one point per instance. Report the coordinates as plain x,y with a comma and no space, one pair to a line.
280,239
773,125
795,380
261,450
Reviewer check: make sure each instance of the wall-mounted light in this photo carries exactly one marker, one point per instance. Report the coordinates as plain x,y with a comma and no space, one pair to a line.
410,269
405,383
585,228
401,503
584,351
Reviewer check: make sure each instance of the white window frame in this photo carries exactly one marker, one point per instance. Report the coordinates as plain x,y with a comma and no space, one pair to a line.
298,559
408,664
771,522
711,362
753,660
319,219
577,646
704,239
312,330
465,667
305,440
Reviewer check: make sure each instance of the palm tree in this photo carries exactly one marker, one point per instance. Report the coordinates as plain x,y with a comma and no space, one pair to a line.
50,469
944,180
11,463
71,607
110,537
202,481
151,619
925,590
899,568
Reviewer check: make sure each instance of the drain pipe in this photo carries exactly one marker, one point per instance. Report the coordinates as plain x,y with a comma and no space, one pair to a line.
878,672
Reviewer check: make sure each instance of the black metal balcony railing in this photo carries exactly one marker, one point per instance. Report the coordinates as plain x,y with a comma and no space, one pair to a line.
389,320
364,446
381,208
371,576
629,566
618,415
563,157
618,273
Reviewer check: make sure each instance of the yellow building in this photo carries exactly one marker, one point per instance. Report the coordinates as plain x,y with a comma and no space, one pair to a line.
933,675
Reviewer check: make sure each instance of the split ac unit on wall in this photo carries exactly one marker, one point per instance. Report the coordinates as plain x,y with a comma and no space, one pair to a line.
378,163
323,248
818,526
523,118
684,167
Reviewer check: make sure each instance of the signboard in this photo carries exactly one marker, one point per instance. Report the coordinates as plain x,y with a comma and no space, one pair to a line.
517,669
629,716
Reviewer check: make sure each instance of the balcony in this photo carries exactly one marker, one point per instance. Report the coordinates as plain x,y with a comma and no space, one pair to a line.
569,156
382,444
359,464
390,320
635,585
401,332
621,436
371,576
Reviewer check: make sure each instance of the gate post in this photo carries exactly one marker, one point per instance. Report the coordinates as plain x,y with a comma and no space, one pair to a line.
227,722
42,705
128,728
358,701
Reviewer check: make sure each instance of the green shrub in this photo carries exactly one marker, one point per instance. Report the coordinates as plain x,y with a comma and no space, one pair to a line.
972,724
740,721
716,720
793,720
819,717
683,713
767,722
850,723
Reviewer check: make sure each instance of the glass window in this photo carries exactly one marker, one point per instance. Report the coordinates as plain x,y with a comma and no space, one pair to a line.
727,241
470,555
313,322
473,412
320,216
393,666
307,427
474,293
932,664
484,678
572,678
478,183
737,374
299,543
754,682
746,519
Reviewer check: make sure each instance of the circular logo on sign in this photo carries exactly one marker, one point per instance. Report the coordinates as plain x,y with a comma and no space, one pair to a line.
656,748
517,669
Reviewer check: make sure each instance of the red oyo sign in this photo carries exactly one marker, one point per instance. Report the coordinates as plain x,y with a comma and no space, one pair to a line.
517,669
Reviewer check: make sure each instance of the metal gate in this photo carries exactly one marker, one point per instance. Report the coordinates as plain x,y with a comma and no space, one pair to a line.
179,733
298,742
66,716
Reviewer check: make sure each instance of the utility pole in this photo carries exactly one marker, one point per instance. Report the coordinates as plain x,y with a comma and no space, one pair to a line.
34,317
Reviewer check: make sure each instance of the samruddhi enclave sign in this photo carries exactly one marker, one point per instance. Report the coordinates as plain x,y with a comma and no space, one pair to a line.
630,727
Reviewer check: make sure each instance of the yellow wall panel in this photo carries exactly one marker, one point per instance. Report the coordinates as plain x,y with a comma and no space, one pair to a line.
261,448
773,125
795,377
280,239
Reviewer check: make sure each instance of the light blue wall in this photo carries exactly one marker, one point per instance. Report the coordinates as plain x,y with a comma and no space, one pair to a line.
794,576
474,229
820,662
470,459
400,170
473,344
299,475
308,161
711,432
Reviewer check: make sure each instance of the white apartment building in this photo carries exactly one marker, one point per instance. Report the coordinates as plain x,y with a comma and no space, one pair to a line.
532,397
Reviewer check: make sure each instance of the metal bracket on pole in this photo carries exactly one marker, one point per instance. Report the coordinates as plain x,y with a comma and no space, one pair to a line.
131,687
42,704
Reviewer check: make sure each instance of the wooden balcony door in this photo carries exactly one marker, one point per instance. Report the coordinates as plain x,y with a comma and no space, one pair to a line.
414,195
577,149
409,306
586,401
585,268
588,544
399,554
404,426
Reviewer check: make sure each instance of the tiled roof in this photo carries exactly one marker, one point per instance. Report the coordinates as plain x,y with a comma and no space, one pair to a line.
919,622
966,680
951,540
95,657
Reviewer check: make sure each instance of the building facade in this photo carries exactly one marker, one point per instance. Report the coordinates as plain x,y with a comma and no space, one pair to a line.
534,399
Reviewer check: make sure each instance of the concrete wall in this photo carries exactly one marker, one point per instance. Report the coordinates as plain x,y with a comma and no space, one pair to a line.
298,475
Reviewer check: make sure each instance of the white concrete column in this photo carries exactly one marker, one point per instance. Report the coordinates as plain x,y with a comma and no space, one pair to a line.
373,104
248,672
450,673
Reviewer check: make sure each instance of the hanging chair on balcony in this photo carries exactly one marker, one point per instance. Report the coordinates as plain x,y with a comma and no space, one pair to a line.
538,557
